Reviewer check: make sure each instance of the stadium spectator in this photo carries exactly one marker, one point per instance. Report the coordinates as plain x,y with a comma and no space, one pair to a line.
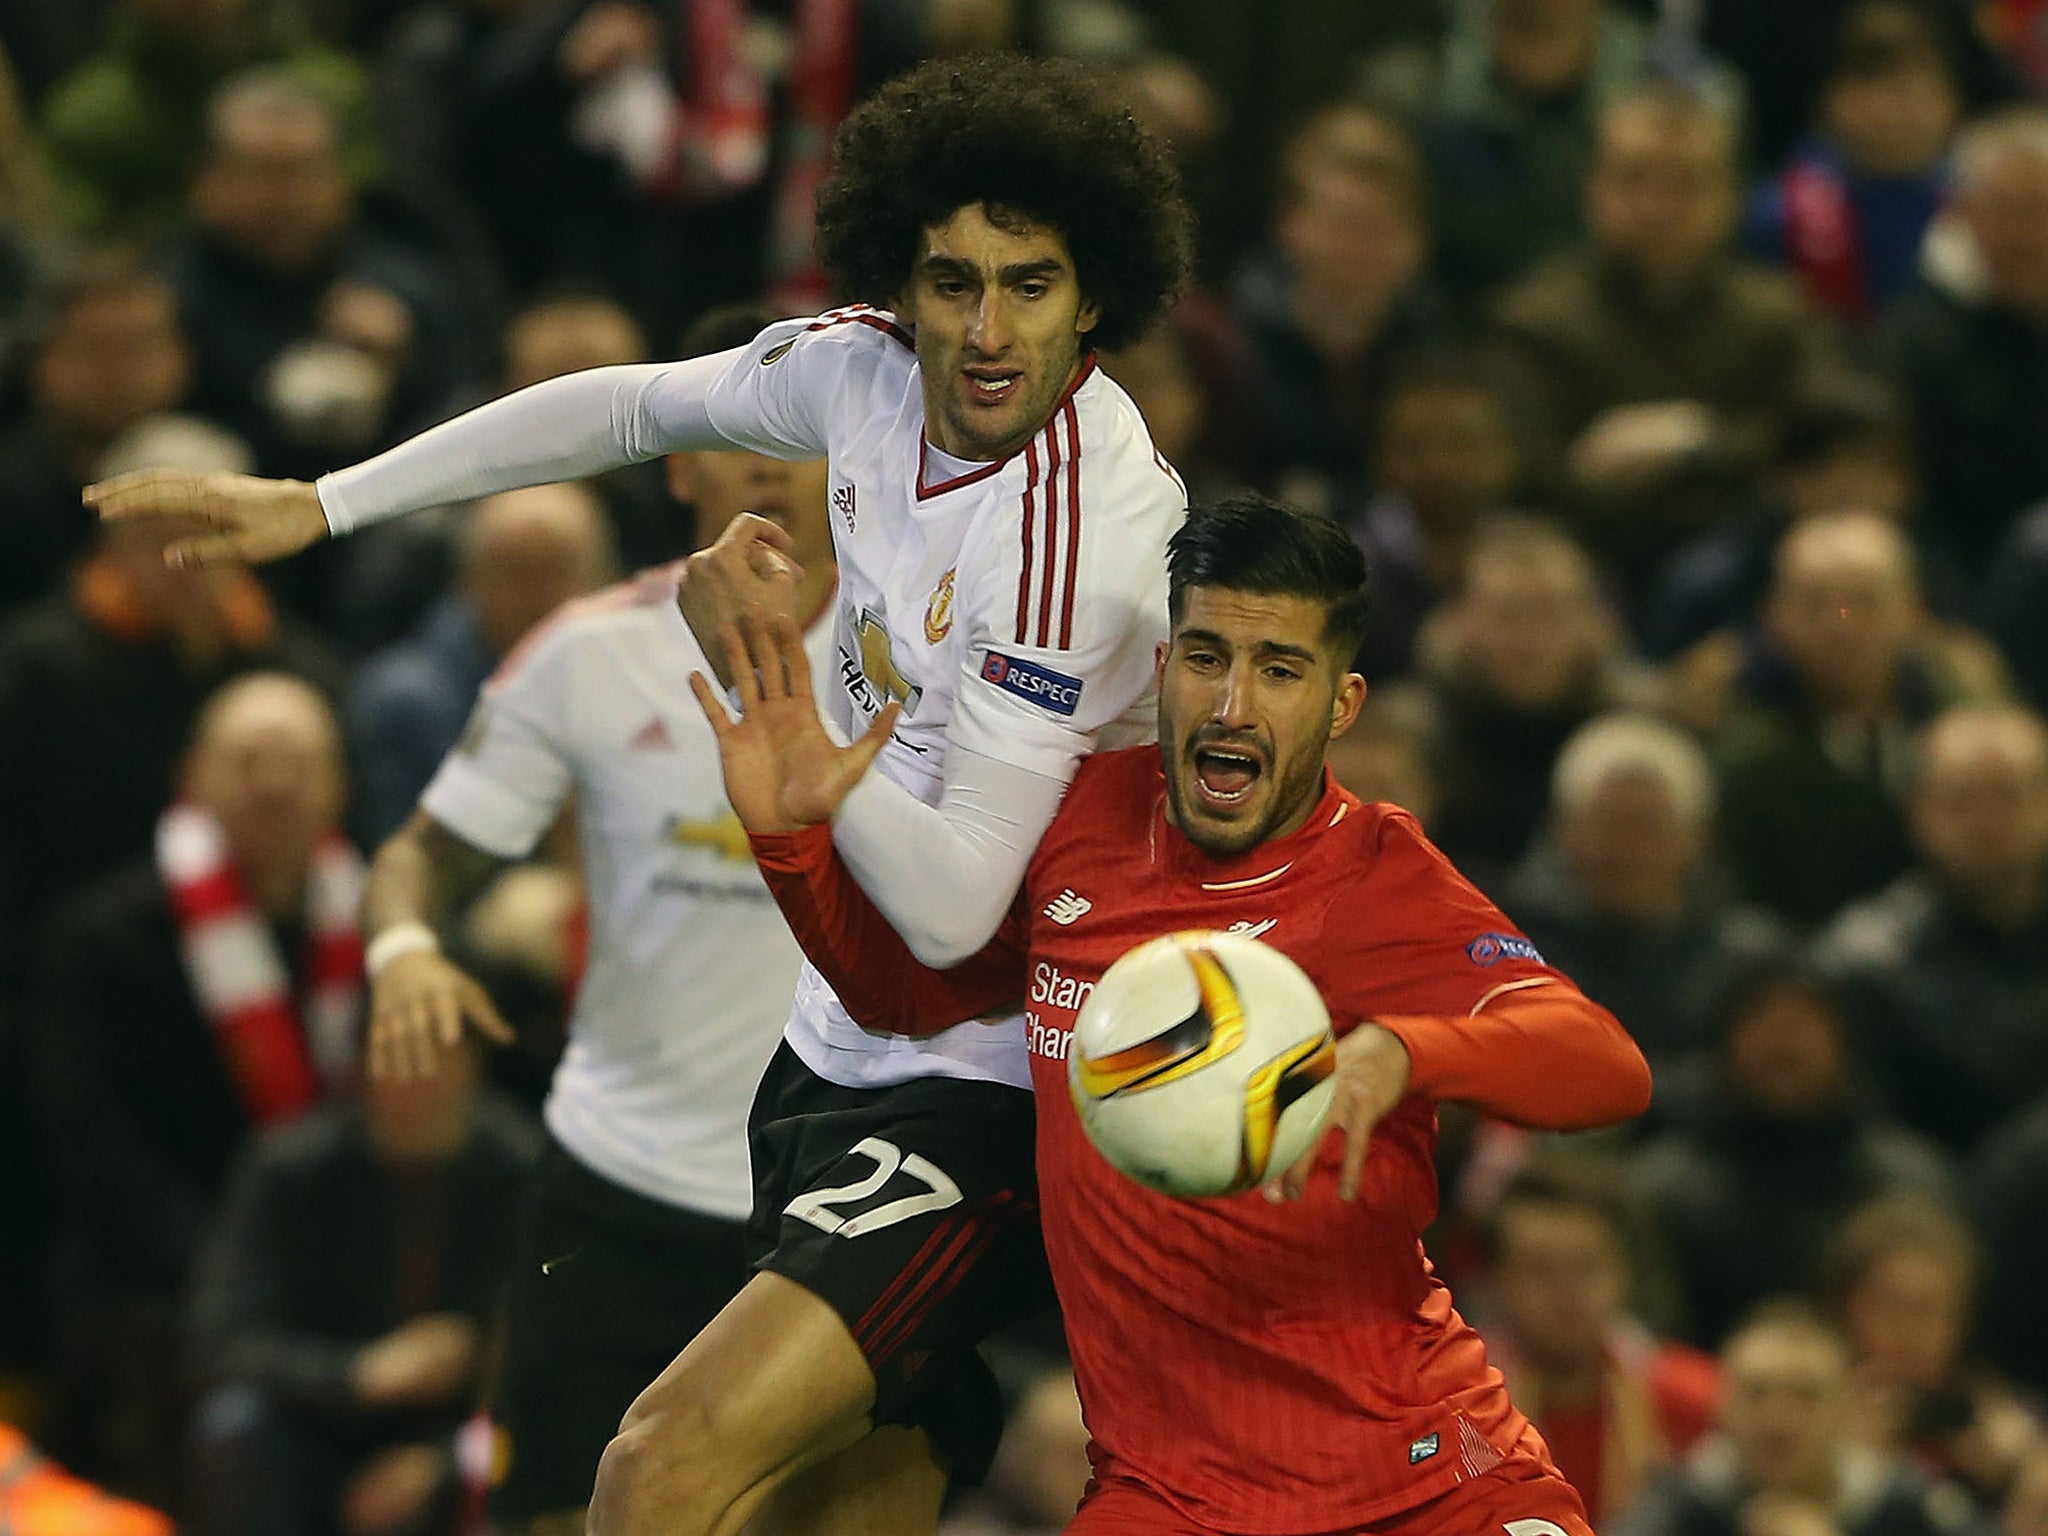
315,336
1963,935
1844,448
340,1309
1849,211
1770,1145
1623,894
1660,362
1509,114
1525,654
105,350
1812,754
99,685
1972,359
205,991
1784,1461
124,125
1613,1402
1335,299
522,555
1181,374
1901,1275
1447,459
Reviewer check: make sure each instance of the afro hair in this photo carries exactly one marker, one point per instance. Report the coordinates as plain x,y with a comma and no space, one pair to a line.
1037,140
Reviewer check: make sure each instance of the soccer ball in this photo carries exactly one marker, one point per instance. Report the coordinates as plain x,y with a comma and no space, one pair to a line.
1202,1063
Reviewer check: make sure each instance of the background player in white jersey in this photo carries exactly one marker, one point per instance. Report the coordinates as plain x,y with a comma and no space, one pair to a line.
1000,517
635,1234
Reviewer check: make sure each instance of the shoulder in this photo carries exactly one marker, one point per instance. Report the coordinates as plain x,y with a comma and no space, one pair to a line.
1111,793
1557,295
634,611
849,336
1112,441
1765,294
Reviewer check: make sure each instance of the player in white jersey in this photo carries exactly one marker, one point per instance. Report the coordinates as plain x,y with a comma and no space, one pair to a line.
635,1233
1000,518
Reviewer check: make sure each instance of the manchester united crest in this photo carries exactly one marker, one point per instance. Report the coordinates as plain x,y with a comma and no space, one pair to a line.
938,613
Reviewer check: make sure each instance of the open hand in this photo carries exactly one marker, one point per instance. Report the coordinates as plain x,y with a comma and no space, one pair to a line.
213,519
782,769
1372,1074
418,1005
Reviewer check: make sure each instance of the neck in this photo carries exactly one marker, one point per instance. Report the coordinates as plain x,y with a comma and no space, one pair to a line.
279,895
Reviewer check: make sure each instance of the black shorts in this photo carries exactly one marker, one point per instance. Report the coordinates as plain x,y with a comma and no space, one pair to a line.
912,1211
608,1287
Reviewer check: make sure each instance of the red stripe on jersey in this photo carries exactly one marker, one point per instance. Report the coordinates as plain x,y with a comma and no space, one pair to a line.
1170,472
1030,513
926,492
886,1302
860,316
1073,524
1052,531
984,1223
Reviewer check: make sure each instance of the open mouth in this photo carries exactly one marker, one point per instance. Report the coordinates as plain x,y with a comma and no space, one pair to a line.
1225,775
992,386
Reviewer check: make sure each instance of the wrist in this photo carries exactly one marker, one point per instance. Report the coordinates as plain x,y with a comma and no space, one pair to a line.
409,938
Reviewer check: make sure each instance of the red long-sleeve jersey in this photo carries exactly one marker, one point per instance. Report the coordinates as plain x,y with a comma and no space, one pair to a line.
1265,1368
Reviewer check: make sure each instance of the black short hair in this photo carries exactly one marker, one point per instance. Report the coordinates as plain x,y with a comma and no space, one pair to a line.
1037,139
1251,543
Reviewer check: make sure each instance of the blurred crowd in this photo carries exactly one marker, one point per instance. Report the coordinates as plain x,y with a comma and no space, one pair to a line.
1682,369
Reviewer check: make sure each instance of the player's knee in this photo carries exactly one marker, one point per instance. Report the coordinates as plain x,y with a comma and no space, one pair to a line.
662,1473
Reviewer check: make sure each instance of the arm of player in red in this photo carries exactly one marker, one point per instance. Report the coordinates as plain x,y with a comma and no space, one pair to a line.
853,946
1544,1056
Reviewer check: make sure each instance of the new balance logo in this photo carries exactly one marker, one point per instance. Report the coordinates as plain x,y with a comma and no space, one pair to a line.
842,503
652,737
1250,929
1066,908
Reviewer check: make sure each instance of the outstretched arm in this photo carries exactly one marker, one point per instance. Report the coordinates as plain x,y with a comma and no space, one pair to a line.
563,429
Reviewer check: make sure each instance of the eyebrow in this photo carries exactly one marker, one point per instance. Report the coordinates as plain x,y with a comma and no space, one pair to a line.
1017,272
1262,648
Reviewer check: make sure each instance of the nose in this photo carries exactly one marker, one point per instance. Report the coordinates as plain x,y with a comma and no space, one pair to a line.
1233,707
990,333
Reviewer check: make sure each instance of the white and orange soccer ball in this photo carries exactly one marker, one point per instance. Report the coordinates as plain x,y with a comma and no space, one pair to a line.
1202,1063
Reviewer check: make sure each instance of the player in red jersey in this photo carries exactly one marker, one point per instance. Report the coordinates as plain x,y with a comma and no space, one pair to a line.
1270,1364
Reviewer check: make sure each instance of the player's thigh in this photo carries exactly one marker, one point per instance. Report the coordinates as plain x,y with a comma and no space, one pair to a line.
771,1385
608,1288
888,1483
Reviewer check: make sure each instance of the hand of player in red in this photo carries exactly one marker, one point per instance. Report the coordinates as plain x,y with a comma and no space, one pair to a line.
782,769
1372,1075
746,569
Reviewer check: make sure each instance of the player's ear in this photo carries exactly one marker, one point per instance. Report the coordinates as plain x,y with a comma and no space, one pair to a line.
1159,662
1344,708
1089,316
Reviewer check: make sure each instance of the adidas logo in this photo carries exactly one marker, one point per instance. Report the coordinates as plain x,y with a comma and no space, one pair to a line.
1067,908
842,502
652,737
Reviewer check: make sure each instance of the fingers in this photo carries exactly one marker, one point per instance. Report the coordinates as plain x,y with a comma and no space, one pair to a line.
754,528
789,639
1357,1141
144,493
876,737
746,677
483,1013
777,661
210,549
713,706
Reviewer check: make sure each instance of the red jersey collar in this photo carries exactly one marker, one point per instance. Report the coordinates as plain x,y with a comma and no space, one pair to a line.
975,476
